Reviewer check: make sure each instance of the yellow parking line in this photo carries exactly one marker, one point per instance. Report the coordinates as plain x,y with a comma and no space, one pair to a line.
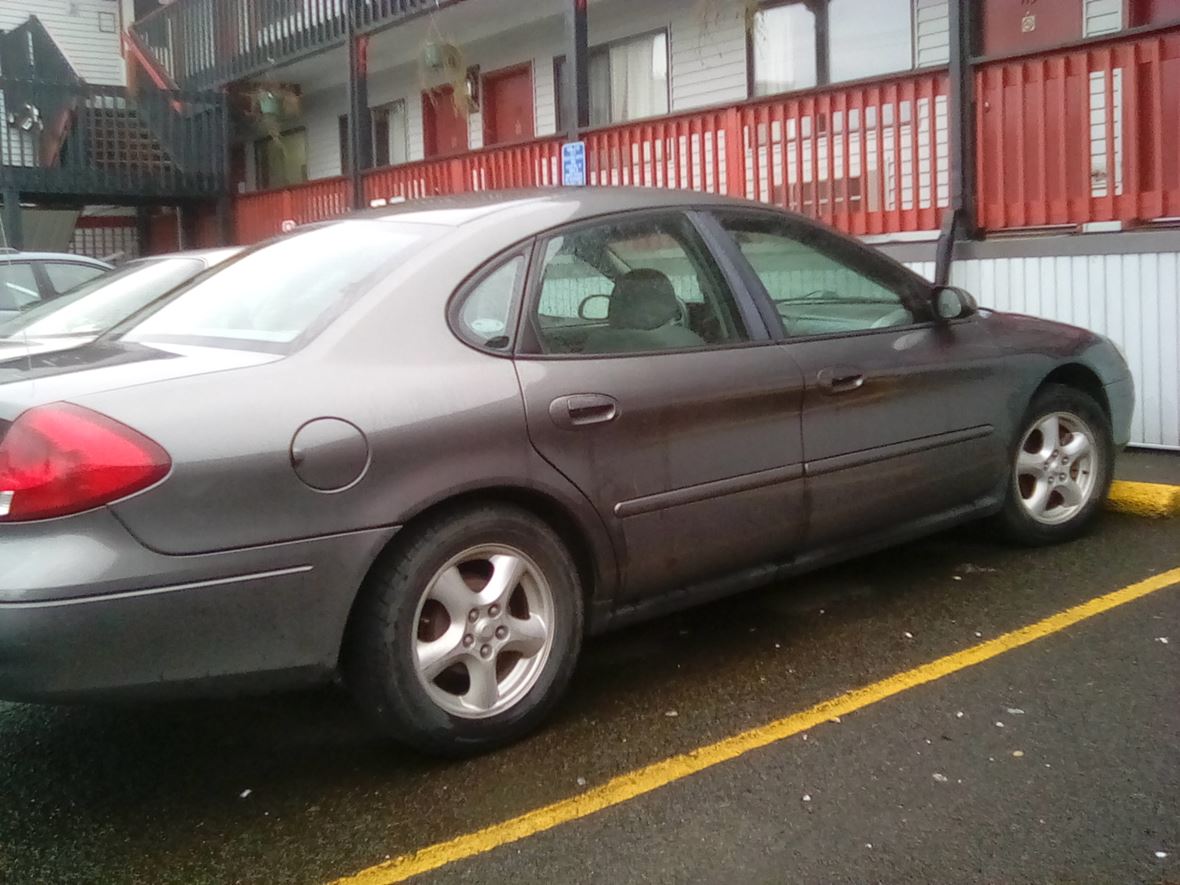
660,774
1144,499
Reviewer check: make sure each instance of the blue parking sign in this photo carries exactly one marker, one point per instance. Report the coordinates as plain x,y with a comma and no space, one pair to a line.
573,163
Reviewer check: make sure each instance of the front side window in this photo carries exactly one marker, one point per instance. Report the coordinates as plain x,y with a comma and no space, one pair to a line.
282,291
815,282
633,287
64,277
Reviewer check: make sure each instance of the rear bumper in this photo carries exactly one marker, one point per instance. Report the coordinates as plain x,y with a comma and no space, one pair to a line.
1121,397
86,610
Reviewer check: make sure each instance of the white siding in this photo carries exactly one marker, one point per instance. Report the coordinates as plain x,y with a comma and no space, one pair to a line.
321,114
546,96
1102,17
932,44
75,27
1134,299
708,57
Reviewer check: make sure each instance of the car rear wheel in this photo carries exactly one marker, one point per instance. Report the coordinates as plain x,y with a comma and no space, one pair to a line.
1062,465
466,634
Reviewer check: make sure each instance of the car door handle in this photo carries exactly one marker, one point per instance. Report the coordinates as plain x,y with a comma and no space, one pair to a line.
840,379
582,409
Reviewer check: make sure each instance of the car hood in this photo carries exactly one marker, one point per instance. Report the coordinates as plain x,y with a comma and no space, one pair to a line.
101,366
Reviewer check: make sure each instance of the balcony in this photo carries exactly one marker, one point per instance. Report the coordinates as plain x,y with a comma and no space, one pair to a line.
207,43
1064,139
65,140
106,144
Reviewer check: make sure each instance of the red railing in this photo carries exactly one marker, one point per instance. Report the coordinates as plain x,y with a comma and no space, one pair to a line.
1082,135
867,158
1090,133
264,214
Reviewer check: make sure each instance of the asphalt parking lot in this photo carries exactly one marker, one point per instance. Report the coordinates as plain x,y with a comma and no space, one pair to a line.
1056,761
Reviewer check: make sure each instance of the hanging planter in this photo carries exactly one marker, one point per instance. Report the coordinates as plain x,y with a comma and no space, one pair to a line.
269,104
442,63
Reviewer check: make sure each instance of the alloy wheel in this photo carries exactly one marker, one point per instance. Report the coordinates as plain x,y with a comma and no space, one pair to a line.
1055,468
484,631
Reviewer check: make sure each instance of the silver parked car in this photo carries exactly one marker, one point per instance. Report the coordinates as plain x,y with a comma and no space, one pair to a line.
31,278
97,305
430,448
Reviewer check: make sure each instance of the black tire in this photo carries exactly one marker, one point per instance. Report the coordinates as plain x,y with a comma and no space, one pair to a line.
1015,520
378,659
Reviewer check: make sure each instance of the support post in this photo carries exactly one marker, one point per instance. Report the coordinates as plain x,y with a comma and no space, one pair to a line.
360,143
961,140
143,229
823,65
226,232
14,235
577,67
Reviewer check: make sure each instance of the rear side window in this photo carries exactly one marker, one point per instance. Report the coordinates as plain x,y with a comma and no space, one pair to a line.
64,277
485,312
18,287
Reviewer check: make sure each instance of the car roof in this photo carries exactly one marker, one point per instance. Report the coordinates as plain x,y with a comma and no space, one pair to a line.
535,204
13,255
209,256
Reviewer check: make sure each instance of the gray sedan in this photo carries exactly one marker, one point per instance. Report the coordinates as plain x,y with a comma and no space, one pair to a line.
429,449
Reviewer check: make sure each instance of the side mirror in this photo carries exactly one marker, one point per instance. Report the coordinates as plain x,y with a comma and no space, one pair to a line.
953,303
594,307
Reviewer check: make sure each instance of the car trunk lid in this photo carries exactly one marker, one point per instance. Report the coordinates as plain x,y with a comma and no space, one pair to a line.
105,366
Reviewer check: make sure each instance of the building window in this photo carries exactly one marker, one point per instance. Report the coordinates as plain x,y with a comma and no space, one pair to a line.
390,134
628,81
783,49
869,37
801,44
281,161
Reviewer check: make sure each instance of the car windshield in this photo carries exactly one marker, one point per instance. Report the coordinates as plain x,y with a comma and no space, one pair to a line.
274,295
101,303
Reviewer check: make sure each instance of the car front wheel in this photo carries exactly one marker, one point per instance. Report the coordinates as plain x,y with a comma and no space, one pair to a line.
466,635
1061,467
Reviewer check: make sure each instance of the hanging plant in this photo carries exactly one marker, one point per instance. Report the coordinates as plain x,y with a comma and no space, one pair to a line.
442,63
269,108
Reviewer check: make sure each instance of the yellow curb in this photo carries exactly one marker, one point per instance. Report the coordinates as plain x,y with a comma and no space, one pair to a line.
1150,499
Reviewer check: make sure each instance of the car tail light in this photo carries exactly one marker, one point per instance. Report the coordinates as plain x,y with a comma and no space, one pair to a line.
62,459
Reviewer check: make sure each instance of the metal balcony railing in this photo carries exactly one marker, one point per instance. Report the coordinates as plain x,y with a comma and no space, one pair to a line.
208,43
85,141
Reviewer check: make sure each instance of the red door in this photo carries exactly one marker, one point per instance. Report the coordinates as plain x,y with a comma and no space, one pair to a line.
508,105
444,129
1022,25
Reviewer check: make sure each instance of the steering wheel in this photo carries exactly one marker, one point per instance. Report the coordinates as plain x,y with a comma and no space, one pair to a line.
898,317
681,320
